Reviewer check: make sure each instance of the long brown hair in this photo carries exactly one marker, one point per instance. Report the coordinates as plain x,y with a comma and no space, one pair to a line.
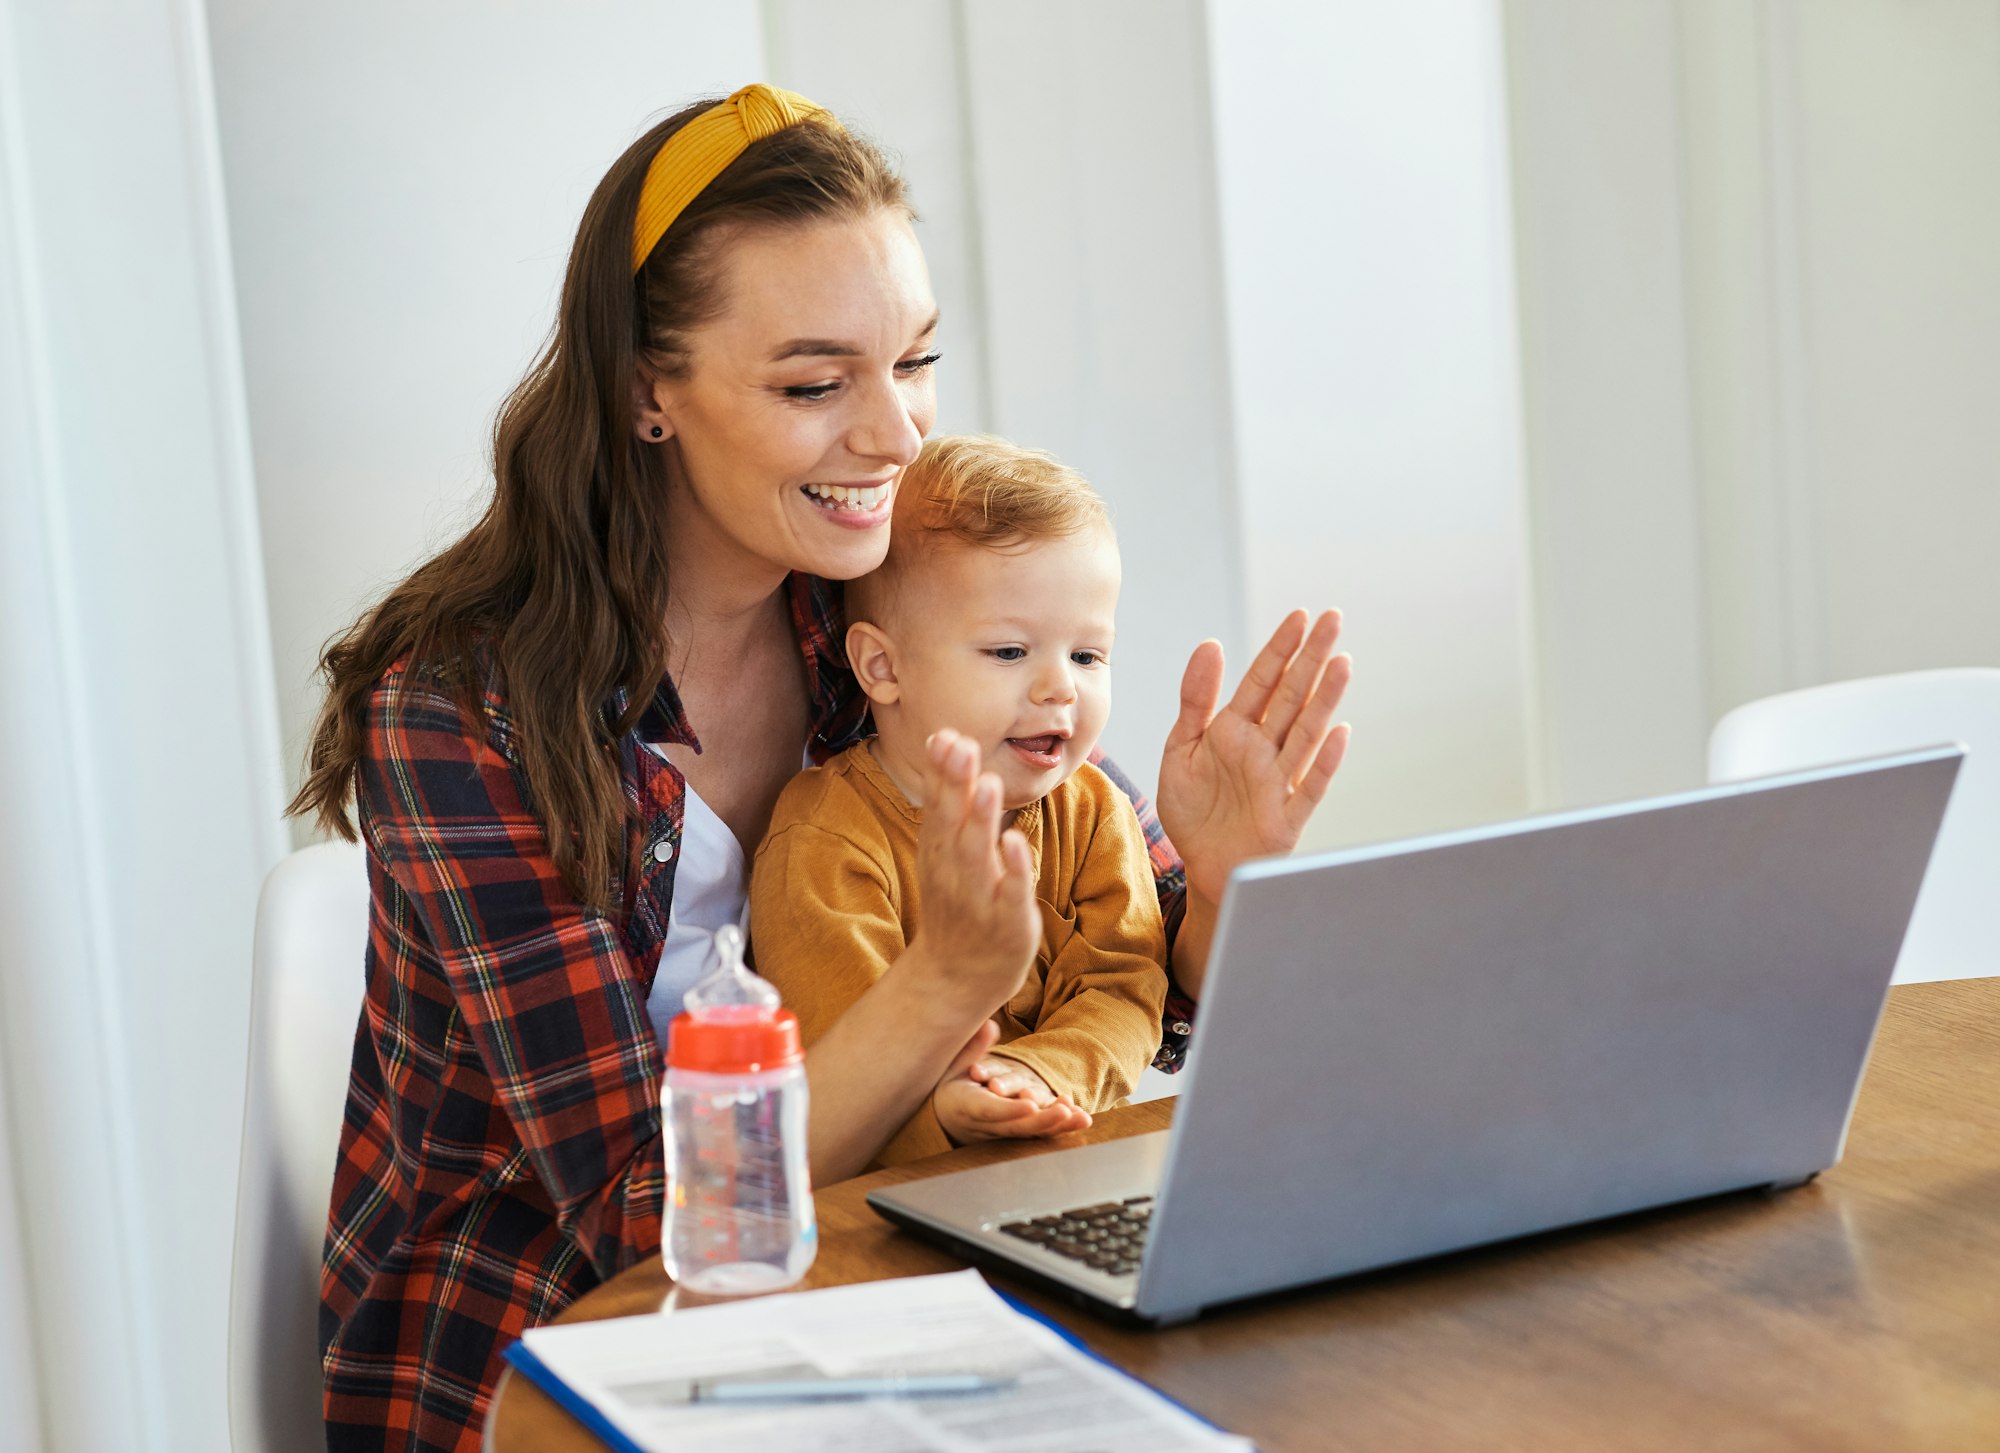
563,580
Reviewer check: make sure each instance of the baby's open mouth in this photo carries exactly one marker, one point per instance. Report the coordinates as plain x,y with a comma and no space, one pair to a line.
1043,751
857,498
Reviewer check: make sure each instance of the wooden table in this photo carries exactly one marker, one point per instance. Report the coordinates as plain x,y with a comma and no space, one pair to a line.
1860,1312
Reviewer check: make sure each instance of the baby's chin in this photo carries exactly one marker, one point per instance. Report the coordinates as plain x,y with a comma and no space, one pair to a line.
1020,789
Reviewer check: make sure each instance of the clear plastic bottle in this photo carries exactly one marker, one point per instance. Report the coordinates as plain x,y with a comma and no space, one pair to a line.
739,1190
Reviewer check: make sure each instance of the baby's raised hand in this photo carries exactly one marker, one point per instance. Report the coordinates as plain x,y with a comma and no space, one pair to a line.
1000,1099
977,883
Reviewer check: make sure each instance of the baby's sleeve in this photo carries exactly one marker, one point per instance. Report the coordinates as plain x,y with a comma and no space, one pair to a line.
824,927
1099,1023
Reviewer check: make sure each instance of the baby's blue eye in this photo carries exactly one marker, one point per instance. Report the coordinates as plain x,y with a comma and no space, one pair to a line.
1086,658
1008,653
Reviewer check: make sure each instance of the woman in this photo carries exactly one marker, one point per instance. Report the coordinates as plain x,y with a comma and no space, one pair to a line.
564,734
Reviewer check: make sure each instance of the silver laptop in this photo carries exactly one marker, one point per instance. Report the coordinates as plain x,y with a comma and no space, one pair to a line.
1418,1047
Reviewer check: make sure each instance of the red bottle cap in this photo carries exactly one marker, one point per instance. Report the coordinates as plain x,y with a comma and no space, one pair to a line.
736,1039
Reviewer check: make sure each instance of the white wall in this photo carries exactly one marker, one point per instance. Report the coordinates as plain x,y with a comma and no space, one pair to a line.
1369,271
1759,306
404,184
1596,164
139,788
1861,470
20,1395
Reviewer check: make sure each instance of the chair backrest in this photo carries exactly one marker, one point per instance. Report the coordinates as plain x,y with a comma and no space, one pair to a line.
305,1000
1955,931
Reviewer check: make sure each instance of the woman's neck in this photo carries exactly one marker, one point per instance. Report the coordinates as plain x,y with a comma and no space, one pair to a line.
720,598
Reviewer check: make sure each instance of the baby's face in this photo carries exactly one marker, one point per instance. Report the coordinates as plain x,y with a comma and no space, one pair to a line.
1013,649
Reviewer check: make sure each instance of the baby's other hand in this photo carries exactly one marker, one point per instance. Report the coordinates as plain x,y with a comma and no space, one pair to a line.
973,1109
1012,1078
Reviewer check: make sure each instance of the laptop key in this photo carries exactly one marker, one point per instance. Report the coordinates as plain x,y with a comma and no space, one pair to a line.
1109,1237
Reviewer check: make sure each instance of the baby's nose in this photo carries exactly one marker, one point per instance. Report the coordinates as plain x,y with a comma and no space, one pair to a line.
1055,684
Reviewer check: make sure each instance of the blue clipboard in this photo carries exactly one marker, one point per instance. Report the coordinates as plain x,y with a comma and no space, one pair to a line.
572,1402
1095,1356
585,1412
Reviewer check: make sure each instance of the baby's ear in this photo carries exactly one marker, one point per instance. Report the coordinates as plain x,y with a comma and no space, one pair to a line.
873,656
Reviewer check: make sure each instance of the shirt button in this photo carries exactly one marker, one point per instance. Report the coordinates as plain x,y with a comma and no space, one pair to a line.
663,850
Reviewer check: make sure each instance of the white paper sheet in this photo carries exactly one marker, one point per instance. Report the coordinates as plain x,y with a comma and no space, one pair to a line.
636,1371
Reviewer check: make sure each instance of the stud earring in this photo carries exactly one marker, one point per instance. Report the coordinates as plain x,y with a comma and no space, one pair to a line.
658,432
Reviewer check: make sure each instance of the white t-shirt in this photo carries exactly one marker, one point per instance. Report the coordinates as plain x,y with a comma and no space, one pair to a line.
711,888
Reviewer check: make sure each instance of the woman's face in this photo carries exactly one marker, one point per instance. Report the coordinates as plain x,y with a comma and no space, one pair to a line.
805,398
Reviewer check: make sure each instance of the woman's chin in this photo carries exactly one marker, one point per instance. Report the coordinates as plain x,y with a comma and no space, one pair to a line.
844,544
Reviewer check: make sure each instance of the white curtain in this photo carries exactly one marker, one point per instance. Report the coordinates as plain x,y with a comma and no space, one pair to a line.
139,784
20,1421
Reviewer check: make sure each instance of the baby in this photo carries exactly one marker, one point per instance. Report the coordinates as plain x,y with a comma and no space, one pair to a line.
992,616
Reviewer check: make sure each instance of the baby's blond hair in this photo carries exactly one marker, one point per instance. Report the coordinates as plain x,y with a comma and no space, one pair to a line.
974,489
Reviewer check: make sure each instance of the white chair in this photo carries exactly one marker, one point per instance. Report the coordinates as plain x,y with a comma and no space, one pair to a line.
305,1000
1955,932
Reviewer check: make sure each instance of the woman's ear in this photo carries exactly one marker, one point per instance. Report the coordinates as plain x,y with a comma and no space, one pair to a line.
873,656
650,420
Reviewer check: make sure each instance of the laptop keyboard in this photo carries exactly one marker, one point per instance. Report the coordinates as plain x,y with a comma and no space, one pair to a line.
1108,1237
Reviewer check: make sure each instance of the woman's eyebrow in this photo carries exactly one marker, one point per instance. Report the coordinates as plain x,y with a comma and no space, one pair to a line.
815,348
833,347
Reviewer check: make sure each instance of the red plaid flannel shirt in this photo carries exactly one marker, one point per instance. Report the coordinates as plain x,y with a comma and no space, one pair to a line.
501,1153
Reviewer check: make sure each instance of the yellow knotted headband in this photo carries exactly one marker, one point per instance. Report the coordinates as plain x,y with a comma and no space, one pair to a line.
695,155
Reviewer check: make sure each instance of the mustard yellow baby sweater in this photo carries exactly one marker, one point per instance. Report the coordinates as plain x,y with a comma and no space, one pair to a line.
833,902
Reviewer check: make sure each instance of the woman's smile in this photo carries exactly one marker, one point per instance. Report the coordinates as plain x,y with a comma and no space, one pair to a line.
864,505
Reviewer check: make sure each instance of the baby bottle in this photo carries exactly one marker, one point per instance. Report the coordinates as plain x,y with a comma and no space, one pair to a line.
739,1215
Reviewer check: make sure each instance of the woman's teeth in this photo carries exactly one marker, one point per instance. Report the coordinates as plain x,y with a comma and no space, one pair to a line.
848,496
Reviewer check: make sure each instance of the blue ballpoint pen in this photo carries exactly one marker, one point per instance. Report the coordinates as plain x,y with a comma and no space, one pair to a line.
843,1389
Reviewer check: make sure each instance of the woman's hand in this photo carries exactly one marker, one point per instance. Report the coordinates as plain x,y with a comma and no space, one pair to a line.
1241,782
980,926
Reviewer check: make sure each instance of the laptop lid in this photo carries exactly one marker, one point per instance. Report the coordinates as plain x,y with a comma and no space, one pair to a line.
1426,1045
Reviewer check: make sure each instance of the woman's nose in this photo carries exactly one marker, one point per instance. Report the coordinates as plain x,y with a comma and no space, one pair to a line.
884,430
